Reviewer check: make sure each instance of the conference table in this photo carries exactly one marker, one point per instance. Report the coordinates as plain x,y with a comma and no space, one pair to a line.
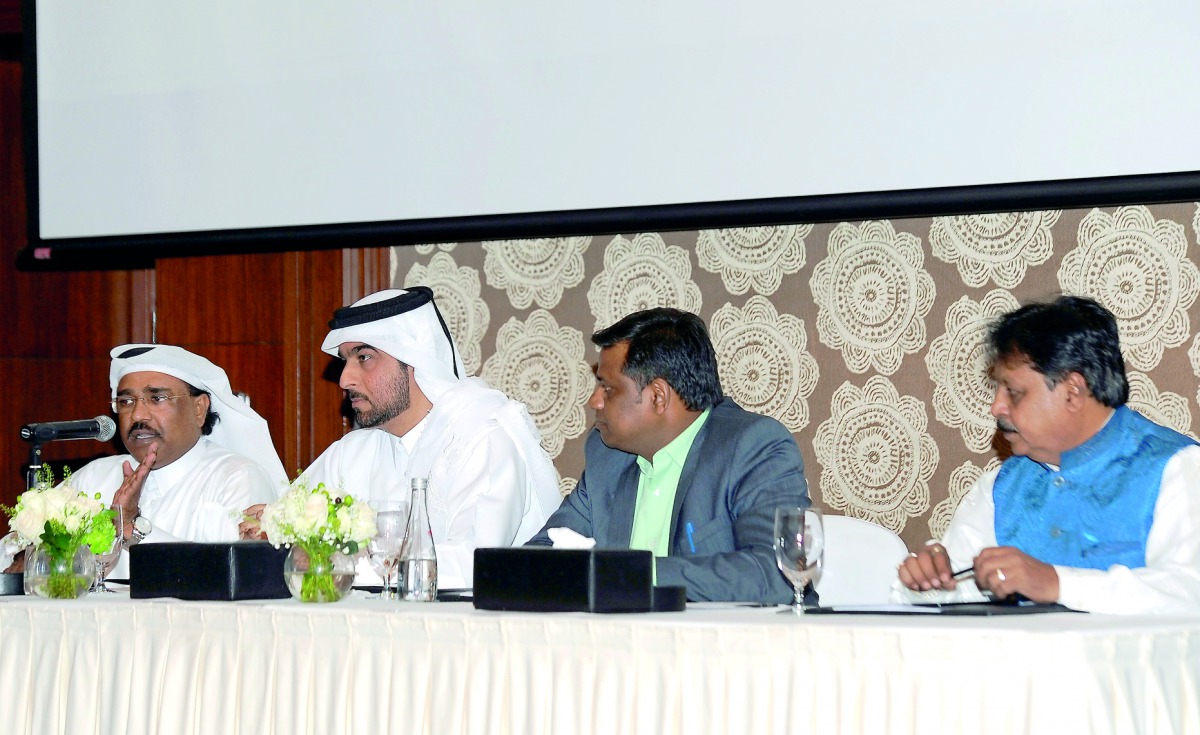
109,664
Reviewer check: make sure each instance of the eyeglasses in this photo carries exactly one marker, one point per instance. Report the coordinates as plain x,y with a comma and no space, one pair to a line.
125,404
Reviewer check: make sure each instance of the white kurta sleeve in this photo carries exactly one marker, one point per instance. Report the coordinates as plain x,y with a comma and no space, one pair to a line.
1170,581
973,526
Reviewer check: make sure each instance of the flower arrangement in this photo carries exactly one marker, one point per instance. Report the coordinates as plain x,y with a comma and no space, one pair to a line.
324,524
58,520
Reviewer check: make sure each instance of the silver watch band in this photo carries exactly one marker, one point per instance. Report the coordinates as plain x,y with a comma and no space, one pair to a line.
141,528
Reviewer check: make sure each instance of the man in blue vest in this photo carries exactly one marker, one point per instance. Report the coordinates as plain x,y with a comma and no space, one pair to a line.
1098,507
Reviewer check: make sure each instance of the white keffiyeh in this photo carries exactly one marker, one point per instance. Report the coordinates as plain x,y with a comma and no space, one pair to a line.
240,429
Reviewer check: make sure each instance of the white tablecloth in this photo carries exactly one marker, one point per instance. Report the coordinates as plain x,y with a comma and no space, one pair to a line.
114,665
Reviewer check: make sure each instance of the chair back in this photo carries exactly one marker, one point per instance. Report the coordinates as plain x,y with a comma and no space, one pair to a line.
860,562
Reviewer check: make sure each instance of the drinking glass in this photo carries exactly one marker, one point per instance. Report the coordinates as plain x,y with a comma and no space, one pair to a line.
799,544
108,558
383,550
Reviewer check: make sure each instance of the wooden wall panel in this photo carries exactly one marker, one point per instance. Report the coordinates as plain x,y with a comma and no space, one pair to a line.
58,327
312,398
65,315
227,308
253,369
10,16
364,271
224,299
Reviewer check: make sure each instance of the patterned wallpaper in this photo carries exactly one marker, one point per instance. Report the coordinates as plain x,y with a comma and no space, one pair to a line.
865,339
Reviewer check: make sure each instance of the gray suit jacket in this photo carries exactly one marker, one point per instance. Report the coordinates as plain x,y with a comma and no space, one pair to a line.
741,466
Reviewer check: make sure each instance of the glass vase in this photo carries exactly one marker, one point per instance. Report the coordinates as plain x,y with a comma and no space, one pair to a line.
59,576
318,574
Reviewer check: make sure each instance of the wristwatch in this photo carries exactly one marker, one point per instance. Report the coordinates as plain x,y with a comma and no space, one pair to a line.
141,528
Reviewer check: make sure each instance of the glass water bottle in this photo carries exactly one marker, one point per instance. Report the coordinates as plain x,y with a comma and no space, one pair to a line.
418,558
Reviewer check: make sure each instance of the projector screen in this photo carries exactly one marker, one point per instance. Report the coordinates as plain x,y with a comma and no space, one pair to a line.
230,125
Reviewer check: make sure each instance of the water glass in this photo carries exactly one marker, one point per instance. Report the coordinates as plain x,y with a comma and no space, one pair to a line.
799,544
383,550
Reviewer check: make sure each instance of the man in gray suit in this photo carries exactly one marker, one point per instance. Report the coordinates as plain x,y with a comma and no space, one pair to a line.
675,468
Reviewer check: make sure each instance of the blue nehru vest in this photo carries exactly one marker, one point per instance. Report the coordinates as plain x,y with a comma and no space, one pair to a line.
1097,508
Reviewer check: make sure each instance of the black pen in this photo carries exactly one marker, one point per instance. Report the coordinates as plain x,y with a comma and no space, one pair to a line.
964,573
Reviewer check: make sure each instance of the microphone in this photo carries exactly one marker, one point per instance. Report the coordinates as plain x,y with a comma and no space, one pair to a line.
101,428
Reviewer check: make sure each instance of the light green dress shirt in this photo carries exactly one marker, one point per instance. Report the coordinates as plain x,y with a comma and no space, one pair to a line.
657,484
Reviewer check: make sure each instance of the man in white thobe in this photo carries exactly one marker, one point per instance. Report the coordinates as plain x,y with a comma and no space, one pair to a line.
198,453
490,481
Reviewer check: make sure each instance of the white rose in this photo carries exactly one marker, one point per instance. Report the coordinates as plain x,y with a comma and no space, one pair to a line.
349,521
363,527
313,515
30,519
56,499
72,523
273,519
29,524
33,501
89,505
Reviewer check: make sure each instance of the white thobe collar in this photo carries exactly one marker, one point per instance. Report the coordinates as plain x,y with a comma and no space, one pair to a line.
409,440
402,452
171,475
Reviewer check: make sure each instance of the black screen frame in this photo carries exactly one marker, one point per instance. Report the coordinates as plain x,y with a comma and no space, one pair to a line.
140,251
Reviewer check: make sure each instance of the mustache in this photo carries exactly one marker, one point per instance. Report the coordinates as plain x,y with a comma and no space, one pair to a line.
140,425
352,394
1005,426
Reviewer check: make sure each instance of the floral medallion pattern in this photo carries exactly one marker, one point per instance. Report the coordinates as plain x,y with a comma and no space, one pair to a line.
753,257
875,454
457,292
872,295
428,248
764,360
1000,247
642,273
1137,267
542,365
958,363
1194,359
866,339
566,485
1161,407
535,270
961,480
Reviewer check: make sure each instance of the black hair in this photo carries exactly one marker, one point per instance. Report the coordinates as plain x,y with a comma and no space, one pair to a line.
670,344
1072,334
212,417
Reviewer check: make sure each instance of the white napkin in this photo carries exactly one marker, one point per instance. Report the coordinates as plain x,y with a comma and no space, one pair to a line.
964,591
565,538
